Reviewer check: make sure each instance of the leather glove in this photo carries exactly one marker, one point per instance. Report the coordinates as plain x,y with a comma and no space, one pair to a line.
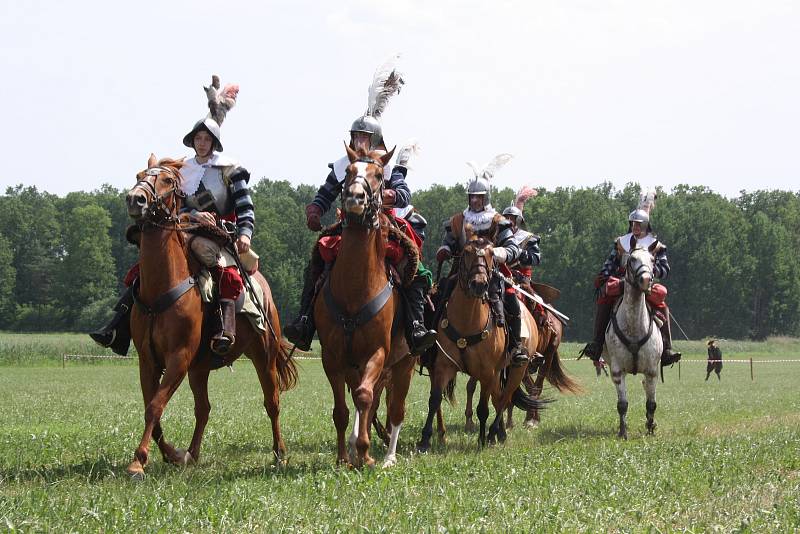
389,197
442,255
313,214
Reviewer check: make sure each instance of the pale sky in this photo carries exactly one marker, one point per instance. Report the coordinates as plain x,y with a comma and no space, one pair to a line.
580,91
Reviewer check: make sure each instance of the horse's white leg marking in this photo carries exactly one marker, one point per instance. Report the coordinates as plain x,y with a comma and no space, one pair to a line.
391,458
351,441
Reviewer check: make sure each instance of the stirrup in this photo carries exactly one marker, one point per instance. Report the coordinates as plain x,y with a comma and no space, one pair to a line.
592,350
670,357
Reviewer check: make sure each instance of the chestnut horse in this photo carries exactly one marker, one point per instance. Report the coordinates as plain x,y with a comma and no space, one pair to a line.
167,320
354,317
479,350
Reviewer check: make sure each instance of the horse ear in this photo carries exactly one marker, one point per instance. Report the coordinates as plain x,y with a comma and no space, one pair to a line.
351,154
386,158
653,246
152,161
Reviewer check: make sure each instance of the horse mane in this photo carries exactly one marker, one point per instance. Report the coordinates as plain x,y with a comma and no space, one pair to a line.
173,164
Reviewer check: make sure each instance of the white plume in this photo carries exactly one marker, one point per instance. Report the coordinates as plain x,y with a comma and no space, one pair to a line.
410,150
474,167
386,82
496,164
647,200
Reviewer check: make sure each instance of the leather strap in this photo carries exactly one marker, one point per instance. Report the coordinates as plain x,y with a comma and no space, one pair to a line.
165,300
462,342
350,323
633,346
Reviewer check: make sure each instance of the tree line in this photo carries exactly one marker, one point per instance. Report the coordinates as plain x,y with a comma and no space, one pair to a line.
734,261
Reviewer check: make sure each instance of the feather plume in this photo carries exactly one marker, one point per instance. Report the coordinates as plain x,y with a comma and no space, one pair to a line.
474,167
386,82
647,200
523,195
498,162
410,150
220,101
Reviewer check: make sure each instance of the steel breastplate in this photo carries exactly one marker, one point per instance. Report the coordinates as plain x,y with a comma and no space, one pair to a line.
212,194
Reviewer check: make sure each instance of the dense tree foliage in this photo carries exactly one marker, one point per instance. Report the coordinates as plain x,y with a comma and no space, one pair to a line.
734,262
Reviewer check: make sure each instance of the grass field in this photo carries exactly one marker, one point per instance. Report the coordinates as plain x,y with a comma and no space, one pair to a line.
726,455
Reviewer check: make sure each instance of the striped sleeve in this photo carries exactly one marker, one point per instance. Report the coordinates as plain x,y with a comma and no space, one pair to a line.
328,192
397,182
243,204
611,265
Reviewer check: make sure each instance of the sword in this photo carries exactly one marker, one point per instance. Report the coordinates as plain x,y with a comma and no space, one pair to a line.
536,298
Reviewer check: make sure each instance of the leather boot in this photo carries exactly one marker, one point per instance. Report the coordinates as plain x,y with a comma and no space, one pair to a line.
300,332
116,335
222,341
669,356
496,301
602,314
518,354
419,337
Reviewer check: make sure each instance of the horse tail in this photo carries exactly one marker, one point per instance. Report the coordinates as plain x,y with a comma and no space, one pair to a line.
450,391
558,377
287,369
526,402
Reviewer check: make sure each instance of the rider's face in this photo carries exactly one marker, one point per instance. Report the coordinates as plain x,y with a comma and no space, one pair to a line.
476,202
513,219
203,144
360,140
637,229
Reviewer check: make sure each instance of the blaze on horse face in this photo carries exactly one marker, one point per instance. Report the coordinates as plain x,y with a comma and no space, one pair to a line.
639,269
156,189
363,186
476,266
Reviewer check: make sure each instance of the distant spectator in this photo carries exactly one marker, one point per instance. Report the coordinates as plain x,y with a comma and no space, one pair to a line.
714,359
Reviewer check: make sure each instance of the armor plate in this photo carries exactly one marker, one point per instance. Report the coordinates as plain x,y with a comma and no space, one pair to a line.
212,194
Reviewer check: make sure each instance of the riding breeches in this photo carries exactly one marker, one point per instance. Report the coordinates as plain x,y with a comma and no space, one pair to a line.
613,289
219,263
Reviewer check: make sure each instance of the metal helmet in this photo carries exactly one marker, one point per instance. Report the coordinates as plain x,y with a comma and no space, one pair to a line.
480,186
208,124
369,125
513,210
639,216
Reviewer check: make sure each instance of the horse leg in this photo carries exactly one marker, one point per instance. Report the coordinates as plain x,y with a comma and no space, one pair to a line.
649,383
535,391
154,408
363,396
380,428
618,378
267,371
341,416
483,413
439,379
198,382
396,404
469,425
510,417
440,426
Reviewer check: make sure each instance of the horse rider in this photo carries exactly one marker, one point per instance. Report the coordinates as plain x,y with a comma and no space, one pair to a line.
487,223
366,134
216,190
529,252
609,282
714,359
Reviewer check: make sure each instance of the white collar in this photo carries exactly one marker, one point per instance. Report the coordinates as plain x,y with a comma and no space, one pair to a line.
480,220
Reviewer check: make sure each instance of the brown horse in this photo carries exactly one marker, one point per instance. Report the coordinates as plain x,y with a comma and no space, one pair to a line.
166,322
479,349
354,317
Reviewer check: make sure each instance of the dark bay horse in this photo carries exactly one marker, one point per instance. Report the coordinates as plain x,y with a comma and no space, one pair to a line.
166,322
479,351
354,316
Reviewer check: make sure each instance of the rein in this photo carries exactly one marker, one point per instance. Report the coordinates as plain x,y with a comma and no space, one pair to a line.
370,217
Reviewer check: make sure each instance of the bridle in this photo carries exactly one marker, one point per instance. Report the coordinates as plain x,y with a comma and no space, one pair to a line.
370,217
158,211
633,275
479,266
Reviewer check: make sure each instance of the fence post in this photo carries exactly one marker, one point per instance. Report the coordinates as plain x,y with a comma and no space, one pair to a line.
64,361
679,370
751,370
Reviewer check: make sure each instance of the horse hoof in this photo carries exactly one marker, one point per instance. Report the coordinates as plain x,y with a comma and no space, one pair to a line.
469,427
531,423
389,461
136,471
183,457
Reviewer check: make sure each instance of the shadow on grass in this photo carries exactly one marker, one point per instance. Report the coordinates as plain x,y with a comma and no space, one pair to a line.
550,435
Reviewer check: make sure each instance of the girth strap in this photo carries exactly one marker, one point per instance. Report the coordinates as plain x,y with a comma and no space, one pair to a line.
165,300
350,323
633,346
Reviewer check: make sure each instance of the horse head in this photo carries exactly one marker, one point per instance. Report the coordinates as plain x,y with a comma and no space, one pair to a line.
639,269
362,194
476,265
157,195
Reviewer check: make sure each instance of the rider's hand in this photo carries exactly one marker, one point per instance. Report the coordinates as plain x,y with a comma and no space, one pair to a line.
442,255
205,217
313,214
389,197
243,243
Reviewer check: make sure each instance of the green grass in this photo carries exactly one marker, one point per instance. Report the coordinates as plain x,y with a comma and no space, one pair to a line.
726,456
